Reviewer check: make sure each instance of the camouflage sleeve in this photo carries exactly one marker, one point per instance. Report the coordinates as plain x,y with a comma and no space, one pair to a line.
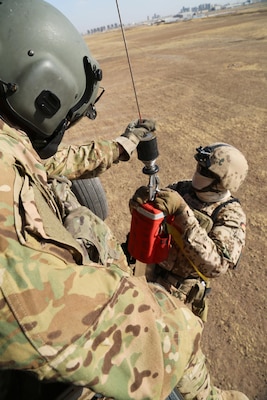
85,161
214,252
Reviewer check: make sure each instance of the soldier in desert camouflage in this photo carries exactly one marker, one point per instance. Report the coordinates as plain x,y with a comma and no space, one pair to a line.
208,233
63,316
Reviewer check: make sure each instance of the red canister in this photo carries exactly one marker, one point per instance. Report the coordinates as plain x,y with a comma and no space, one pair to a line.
148,240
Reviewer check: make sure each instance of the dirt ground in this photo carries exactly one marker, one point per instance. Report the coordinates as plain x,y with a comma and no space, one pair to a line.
203,81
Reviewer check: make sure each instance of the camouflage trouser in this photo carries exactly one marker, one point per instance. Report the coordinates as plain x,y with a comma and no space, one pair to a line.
195,383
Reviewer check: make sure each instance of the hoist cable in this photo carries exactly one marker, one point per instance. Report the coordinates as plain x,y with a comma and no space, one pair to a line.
129,62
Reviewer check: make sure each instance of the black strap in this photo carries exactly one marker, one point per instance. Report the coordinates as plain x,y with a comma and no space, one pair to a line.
220,206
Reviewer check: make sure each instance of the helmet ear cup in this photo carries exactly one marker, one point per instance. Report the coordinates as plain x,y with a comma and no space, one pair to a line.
49,66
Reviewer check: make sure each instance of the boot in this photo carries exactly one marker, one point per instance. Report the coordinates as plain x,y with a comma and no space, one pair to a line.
233,395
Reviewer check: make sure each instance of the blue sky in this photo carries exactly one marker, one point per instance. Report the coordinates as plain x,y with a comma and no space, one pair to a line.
88,14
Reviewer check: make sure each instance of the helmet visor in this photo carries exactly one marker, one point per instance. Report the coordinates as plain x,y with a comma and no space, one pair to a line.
93,76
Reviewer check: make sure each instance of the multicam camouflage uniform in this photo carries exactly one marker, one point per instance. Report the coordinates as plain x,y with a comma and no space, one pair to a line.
209,247
80,322
97,242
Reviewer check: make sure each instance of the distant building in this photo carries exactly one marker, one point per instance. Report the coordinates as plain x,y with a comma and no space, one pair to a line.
203,7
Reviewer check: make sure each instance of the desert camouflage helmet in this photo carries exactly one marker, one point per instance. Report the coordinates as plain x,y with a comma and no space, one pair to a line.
48,78
225,163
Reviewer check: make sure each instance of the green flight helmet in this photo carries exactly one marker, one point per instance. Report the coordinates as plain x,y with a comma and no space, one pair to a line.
48,77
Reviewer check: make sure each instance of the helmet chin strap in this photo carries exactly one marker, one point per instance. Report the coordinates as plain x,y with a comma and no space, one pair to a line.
213,197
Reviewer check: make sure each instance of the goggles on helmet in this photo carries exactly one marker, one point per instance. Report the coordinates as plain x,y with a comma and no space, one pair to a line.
203,156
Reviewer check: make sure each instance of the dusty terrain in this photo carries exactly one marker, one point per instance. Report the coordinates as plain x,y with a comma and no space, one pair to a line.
203,81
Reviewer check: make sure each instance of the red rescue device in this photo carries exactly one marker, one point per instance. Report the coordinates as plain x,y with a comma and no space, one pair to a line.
148,240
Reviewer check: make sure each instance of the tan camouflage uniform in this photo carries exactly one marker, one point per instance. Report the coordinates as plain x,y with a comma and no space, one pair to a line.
81,322
211,250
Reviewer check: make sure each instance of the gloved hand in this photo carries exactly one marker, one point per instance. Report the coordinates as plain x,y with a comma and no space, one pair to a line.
132,135
140,197
137,129
169,201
